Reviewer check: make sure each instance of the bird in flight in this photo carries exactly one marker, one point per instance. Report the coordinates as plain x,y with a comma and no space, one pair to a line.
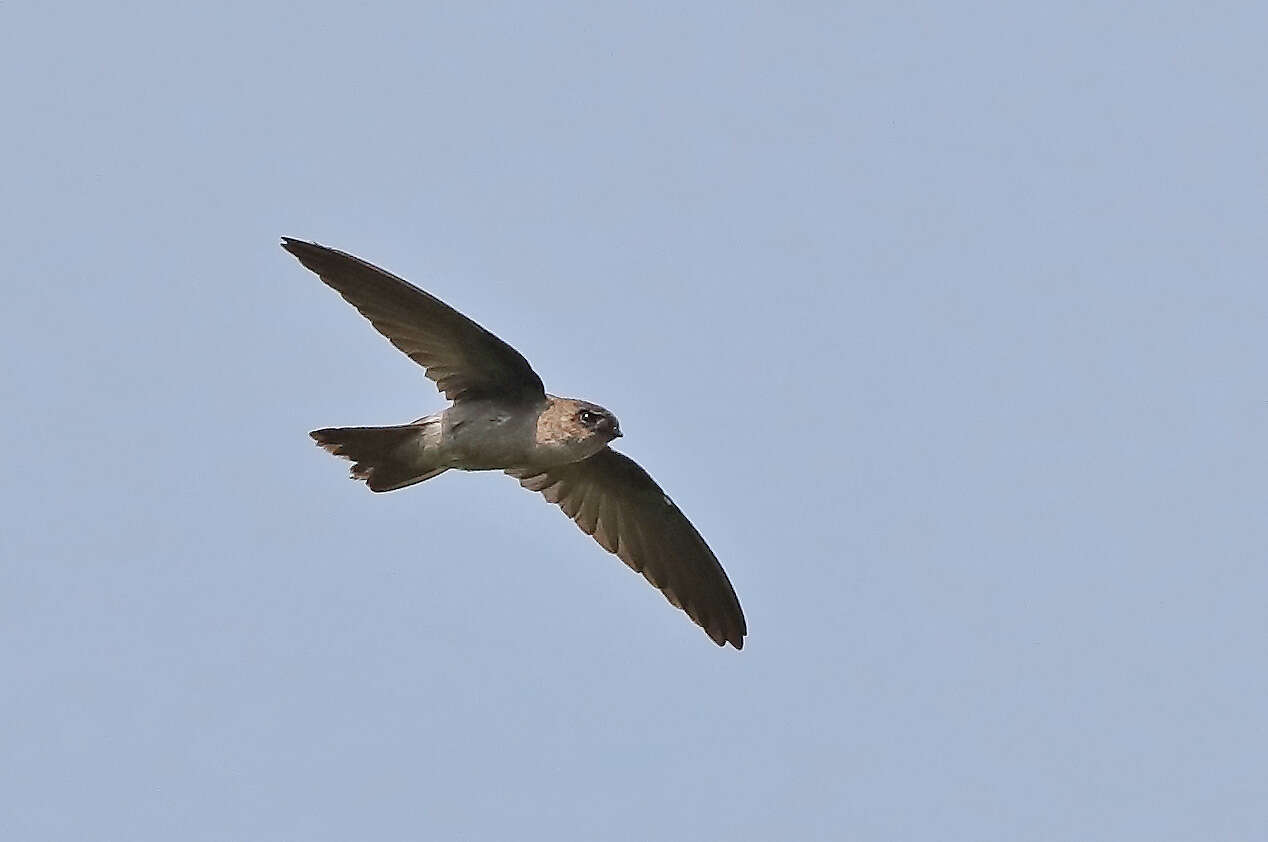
502,419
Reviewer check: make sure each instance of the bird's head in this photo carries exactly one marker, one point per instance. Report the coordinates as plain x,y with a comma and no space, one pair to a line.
598,421
575,430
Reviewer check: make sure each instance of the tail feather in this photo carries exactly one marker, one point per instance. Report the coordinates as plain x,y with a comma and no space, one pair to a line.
385,458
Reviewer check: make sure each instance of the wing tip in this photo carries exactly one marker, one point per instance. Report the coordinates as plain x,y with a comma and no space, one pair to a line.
302,248
722,635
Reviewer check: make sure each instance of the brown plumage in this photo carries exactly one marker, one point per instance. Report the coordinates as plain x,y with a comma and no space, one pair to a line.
614,500
502,419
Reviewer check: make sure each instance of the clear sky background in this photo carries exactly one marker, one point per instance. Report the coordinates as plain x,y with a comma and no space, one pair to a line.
945,322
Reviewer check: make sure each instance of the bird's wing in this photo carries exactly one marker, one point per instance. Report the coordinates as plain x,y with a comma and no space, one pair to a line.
613,499
464,359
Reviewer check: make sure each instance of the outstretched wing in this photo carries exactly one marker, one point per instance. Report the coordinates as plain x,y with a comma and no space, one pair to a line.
611,498
464,359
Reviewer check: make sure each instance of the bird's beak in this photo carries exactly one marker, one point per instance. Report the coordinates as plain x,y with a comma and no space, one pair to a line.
616,434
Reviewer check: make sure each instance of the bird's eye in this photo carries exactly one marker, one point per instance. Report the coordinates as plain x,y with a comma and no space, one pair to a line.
587,417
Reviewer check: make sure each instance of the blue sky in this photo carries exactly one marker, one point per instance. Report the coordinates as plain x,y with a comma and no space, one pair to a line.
945,323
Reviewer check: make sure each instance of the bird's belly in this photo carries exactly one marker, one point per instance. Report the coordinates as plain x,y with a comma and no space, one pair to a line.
485,443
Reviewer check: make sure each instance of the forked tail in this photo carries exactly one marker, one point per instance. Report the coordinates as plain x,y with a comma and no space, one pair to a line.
387,458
